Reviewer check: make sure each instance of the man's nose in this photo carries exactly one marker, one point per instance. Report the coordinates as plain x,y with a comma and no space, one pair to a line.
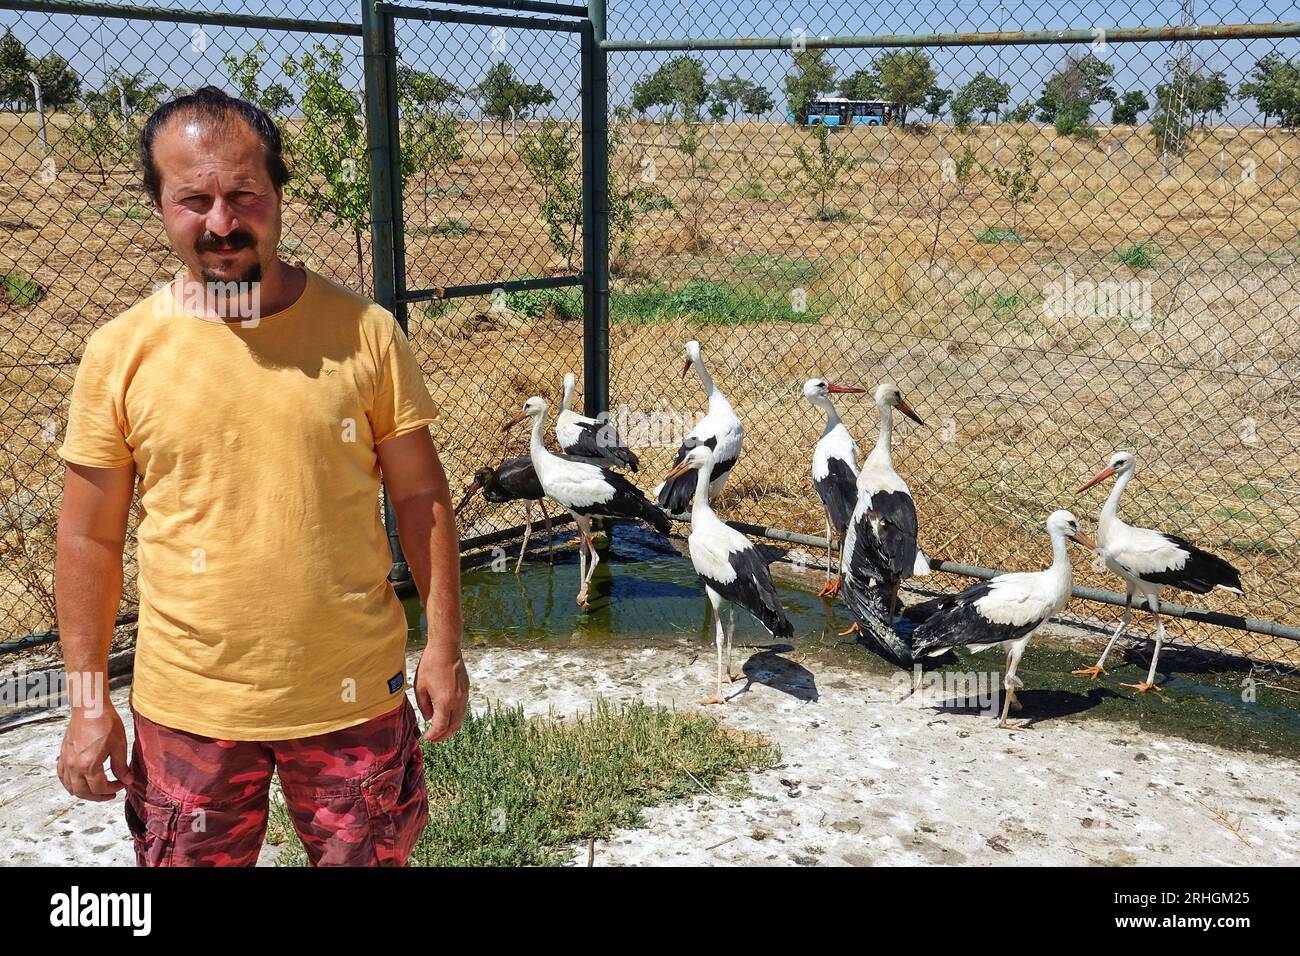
221,218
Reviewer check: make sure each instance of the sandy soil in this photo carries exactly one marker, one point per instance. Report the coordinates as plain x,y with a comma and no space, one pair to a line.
863,779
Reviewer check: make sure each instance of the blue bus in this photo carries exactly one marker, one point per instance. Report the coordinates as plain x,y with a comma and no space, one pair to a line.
839,111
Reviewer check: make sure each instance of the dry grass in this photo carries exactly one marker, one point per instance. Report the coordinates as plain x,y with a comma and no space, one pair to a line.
1022,406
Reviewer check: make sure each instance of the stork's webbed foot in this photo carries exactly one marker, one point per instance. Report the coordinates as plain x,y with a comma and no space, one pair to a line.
1143,687
854,629
1093,673
831,588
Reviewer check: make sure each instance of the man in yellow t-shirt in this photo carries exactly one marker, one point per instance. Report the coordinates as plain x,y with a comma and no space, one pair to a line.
258,405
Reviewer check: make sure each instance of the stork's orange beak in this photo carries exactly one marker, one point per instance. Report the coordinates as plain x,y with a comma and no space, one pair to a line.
844,389
1084,540
677,472
686,368
469,493
906,409
1098,478
514,421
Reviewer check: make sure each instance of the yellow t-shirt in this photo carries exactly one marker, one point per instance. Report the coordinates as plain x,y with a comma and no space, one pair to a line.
265,607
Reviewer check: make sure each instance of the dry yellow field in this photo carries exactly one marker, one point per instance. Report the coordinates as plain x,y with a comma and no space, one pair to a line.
1199,372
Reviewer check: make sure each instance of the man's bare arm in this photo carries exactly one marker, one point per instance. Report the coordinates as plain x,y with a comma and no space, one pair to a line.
417,486
87,592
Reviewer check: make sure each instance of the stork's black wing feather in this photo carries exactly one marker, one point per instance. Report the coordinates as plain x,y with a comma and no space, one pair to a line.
609,450
839,493
891,557
956,622
753,590
628,502
1202,573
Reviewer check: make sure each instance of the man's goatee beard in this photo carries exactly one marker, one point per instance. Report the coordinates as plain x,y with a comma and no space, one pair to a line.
252,274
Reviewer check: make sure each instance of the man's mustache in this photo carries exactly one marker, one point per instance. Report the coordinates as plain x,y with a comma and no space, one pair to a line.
209,242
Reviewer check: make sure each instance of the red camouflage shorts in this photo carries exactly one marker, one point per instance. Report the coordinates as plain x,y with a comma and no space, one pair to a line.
357,796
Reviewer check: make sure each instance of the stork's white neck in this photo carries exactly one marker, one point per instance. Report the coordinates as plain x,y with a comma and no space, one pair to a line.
882,453
832,416
1060,551
1110,511
705,378
569,386
701,507
536,448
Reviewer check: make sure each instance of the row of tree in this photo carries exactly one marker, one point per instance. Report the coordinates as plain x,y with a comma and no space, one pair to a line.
907,80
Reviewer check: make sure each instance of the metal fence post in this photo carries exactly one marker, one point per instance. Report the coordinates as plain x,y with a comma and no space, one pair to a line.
376,29
595,214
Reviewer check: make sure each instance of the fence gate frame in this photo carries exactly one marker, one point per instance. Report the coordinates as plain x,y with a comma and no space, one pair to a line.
388,243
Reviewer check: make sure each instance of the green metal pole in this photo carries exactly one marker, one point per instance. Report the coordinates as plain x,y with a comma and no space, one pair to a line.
379,96
595,215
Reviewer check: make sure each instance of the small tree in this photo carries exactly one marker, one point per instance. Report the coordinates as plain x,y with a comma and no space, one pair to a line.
821,168
500,91
329,151
245,73
936,100
984,94
552,157
680,83
95,138
757,101
1019,181
812,75
733,93
957,172
1128,106
862,84
432,142
905,77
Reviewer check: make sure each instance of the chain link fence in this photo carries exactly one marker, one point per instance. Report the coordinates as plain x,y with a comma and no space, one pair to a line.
1055,249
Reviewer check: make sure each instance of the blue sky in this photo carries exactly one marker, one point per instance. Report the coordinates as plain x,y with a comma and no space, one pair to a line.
462,53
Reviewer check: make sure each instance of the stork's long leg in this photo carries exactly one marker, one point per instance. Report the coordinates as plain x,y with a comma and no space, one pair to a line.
716,600
1011,681
1153,602
528,528
550,541
582,563
1096,670
591,547
731,635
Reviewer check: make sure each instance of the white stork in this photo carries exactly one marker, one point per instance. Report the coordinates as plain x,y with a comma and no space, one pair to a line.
880,549
1149,561
728,564
584,490
589,437
834,468
720,430
1004,612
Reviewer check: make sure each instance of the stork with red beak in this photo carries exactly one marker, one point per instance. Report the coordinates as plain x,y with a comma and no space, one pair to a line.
1149,561
834,468
512,480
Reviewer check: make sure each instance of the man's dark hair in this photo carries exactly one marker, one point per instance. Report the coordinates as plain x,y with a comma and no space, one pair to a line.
214,107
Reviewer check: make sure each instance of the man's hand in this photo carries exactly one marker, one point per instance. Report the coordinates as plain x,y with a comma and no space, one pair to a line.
87,743
441,690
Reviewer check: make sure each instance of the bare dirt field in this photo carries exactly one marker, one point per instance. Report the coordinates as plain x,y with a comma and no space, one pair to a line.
1198,373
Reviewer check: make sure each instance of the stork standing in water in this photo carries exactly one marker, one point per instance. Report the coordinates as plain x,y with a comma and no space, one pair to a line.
1004,612
512,480
588,437
728,564
1149,561
834,468
880,549
584,490
720,430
